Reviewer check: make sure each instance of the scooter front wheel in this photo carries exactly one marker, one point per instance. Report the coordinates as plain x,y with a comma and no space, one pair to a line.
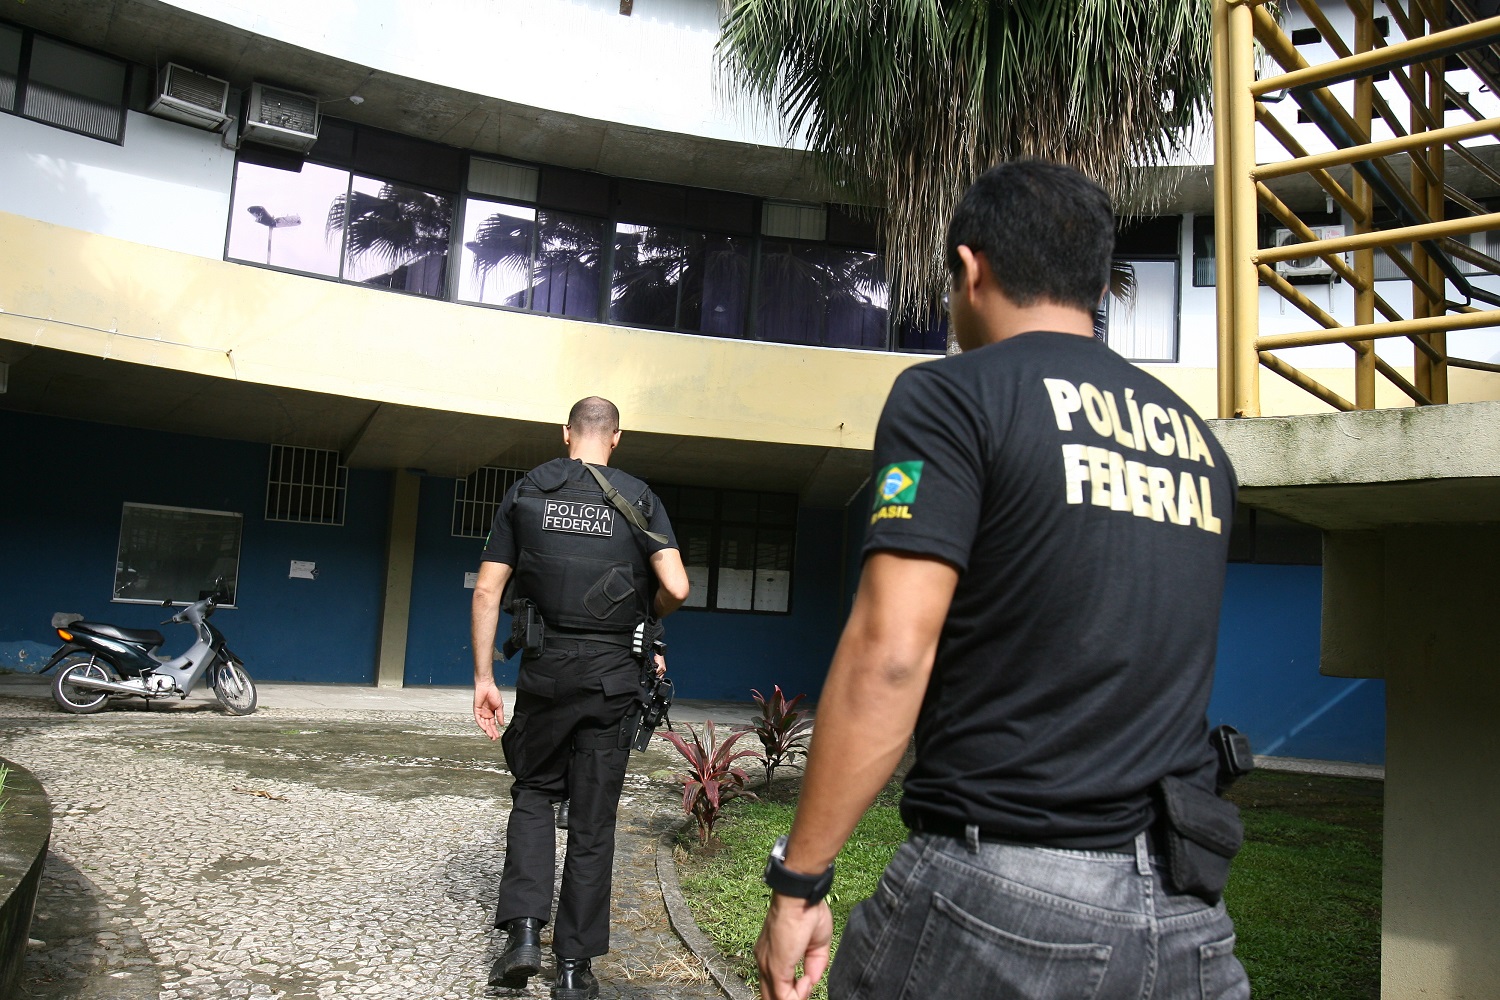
234,688
75,699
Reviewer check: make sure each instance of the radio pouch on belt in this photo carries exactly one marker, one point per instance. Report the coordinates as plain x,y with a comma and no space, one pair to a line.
1203,834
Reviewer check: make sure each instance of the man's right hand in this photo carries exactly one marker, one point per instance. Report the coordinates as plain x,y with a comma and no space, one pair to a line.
489,710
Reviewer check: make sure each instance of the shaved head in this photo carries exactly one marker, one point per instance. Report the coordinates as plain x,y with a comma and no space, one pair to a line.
594,416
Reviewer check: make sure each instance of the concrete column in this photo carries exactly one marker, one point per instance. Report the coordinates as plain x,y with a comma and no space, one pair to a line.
400,556
1441,911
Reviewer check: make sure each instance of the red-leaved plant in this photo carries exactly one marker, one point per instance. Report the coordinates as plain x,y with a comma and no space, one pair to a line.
782,730
712,779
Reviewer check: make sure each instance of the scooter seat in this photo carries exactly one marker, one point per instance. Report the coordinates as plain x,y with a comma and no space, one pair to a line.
148,637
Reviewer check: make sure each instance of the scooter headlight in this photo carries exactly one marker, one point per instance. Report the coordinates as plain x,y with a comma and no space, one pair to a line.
66,635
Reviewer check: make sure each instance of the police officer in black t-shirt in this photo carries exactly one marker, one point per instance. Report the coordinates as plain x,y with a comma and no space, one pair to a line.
592,572
1039,602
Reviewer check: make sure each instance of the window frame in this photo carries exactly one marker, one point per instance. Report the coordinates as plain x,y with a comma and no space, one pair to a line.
23,79
233,587
716,526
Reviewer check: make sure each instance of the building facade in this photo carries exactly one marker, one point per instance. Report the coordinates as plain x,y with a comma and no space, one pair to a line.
308,351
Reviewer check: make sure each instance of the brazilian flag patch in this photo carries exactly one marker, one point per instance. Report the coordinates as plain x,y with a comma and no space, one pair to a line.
898,484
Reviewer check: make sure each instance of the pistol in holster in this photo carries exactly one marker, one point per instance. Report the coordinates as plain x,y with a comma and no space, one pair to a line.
528,632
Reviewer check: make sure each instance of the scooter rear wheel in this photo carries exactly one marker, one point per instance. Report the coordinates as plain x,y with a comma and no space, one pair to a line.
234,688
80,700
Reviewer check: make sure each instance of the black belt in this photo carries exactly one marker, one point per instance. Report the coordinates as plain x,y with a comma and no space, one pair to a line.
625,640
943,827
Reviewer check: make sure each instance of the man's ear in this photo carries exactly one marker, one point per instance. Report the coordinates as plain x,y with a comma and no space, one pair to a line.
567,436
974,267
614,440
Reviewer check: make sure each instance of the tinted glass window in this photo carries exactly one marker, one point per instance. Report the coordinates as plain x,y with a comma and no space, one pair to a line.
281,217
715,285
565,278
395,236
815,294
649,264
499,247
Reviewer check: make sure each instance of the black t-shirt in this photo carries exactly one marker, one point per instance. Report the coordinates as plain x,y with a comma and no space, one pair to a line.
1088,513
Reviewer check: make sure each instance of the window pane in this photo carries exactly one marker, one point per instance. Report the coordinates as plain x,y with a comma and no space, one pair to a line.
736,569
858,298
497,253
1144,326
395,236
10,65
649,264
1203,250
773,570
75,89
695,542
280,217
927,334
716,286
793,300
566,279
174,554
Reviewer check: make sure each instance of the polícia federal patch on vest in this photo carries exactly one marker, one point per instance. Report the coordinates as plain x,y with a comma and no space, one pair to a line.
896,491
579,518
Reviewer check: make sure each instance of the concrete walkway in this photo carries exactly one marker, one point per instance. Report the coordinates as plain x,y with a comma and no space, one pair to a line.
341,842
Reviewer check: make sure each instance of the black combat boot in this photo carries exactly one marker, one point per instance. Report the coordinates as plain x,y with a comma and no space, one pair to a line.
575,981
522,957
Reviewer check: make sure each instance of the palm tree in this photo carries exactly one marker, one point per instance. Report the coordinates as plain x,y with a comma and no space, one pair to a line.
906,101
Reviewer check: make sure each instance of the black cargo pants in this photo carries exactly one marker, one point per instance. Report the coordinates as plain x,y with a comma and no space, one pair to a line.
563,743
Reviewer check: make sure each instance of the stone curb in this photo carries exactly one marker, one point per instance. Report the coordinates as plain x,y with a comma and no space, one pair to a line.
686,927
27,825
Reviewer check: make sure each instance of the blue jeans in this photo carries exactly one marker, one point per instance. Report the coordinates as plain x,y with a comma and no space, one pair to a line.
959,920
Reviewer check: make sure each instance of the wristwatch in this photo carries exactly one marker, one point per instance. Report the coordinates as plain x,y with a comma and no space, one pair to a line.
789,883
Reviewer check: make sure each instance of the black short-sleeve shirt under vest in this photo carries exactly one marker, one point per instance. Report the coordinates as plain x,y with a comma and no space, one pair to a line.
1088,511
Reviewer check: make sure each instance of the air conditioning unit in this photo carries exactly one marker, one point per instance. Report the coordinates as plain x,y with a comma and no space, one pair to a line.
193,98
276,117
1310,266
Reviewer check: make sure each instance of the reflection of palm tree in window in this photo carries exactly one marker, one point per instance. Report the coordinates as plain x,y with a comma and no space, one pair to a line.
561,261
815,294
402,228
680,279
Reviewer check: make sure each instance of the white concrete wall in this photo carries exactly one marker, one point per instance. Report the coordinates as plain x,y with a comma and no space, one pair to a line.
653,69
167,186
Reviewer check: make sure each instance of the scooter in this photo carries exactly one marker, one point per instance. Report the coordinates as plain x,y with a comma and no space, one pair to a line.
99,661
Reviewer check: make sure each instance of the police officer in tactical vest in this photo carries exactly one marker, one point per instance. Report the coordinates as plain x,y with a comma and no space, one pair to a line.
585,556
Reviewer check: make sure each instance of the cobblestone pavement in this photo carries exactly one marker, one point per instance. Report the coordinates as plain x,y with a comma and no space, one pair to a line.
302,853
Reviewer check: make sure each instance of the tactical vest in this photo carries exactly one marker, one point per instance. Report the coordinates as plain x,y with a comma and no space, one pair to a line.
580,561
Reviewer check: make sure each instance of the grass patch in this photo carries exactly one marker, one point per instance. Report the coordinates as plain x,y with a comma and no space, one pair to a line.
1304,893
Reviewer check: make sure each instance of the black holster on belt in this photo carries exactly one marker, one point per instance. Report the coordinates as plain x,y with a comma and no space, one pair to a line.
1202,831
528,633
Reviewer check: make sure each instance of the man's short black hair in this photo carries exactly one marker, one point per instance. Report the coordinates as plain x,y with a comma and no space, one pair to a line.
1047,231
594,416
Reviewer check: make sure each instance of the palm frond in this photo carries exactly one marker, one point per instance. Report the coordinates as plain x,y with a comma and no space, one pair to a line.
907,101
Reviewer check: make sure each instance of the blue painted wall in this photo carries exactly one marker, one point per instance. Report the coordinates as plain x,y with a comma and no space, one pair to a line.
59,533
710,654
1268,685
